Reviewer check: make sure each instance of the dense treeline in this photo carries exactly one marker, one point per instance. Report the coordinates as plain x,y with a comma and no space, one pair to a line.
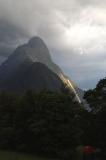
96,132
45,122
97,97
52,124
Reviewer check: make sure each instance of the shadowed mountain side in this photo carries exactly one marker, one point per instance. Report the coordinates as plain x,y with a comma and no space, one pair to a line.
35,76
33,52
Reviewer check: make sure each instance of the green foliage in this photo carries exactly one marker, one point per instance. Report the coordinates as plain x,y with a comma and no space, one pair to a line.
43,123
97,97
96,132
4,155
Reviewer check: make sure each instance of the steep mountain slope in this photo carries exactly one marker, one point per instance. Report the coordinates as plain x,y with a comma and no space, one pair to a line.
35,50
32,52
35,76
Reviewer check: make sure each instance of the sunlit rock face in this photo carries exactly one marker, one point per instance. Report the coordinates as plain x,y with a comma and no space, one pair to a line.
34,52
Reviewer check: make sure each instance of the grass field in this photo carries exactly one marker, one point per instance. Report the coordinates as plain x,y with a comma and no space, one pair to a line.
17,156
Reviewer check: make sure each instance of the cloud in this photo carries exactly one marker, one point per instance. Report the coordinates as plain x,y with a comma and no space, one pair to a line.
75,32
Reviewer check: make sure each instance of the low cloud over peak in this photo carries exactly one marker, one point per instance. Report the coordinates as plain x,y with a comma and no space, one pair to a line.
75,32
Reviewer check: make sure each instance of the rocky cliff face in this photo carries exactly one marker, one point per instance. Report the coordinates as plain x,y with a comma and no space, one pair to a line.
30,55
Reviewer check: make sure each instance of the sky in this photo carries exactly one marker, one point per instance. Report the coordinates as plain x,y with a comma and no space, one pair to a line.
74,31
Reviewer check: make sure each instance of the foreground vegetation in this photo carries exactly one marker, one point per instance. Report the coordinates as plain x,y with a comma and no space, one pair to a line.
96,132
52,124
4,155
46,123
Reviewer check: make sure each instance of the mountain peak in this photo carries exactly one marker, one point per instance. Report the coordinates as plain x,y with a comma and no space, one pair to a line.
36,42
35,51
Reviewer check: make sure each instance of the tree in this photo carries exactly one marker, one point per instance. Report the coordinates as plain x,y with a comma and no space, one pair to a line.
45,122
97,100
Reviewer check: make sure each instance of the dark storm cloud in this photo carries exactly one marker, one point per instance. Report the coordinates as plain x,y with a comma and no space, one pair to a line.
10,37
74,30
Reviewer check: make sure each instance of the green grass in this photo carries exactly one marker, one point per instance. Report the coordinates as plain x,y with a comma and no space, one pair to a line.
17,156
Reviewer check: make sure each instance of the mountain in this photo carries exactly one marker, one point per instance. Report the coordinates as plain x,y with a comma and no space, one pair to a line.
35,50
35,76
30,56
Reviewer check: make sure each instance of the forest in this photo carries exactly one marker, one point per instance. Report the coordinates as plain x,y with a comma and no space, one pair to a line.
52,124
